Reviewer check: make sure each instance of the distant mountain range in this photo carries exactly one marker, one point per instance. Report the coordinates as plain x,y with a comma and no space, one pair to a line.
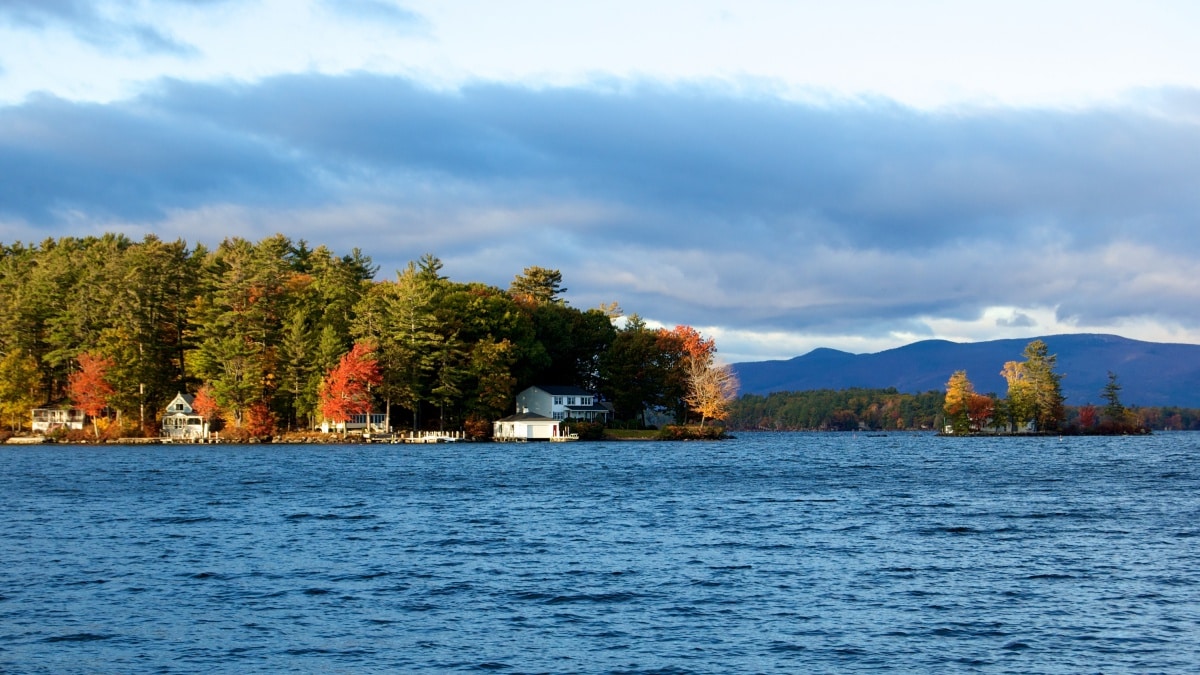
1150,373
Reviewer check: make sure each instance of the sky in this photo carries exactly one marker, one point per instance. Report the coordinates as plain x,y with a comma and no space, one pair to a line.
781,175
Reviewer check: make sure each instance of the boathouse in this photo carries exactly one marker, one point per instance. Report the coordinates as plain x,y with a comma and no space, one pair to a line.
525,426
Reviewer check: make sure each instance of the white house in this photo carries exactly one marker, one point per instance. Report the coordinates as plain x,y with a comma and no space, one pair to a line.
48,419
562,403
181,421
526,426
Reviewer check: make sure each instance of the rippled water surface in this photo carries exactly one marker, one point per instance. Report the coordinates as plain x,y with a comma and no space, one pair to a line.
769,553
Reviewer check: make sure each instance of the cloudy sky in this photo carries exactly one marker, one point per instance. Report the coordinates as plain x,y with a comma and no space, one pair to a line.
783,175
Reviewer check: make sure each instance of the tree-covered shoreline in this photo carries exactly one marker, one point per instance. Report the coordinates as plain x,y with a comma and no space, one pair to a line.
258,330
836,410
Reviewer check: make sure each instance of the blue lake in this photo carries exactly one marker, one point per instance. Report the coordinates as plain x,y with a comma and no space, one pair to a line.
769,553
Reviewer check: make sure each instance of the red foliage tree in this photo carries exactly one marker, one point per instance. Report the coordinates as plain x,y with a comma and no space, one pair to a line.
980,409
88,388
1087,416
205,404
346,390
260,422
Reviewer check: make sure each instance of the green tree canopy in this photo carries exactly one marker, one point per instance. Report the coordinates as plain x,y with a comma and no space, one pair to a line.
537,284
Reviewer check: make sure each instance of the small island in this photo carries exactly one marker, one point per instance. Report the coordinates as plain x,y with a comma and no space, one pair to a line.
1034,404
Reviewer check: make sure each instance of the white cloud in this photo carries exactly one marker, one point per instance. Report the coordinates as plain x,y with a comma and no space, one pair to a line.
923,53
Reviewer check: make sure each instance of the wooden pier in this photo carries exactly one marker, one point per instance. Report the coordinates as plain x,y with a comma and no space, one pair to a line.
430,437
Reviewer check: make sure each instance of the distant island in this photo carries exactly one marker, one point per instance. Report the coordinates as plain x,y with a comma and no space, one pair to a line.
904,388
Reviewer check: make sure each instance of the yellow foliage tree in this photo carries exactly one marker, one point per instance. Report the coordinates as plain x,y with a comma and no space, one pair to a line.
959,391
710,388
18,388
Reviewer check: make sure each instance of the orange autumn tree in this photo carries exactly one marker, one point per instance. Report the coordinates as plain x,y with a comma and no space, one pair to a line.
89,388
205,404
346,390
693,344
965,409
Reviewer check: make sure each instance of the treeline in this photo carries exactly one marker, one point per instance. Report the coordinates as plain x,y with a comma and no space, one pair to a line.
1160,418
260,325
837,410
888,409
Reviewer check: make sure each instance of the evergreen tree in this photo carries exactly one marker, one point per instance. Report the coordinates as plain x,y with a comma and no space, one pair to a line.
537,285
300,365
1113,410
1035,389
638,374
1046,385
239,324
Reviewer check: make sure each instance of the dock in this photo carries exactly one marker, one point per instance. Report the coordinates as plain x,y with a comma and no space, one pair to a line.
430,437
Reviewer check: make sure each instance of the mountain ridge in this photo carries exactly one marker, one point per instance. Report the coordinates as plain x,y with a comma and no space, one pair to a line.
1150,373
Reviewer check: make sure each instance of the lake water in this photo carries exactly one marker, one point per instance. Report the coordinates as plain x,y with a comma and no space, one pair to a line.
768,553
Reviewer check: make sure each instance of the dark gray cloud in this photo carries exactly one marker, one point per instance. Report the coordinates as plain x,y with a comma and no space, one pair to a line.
86,20
683,203
127,162
879,174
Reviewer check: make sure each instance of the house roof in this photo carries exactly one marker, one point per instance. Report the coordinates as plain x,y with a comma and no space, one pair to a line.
562,390
187,398
525,417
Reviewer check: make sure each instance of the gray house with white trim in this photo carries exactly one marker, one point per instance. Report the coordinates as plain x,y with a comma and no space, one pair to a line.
559,402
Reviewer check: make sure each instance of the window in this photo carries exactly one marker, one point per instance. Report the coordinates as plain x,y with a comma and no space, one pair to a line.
557,400
570,400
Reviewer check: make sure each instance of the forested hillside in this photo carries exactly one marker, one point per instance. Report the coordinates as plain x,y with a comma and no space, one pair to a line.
261,325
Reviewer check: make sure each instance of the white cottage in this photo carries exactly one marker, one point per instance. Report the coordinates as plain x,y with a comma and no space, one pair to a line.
180,420
46,420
